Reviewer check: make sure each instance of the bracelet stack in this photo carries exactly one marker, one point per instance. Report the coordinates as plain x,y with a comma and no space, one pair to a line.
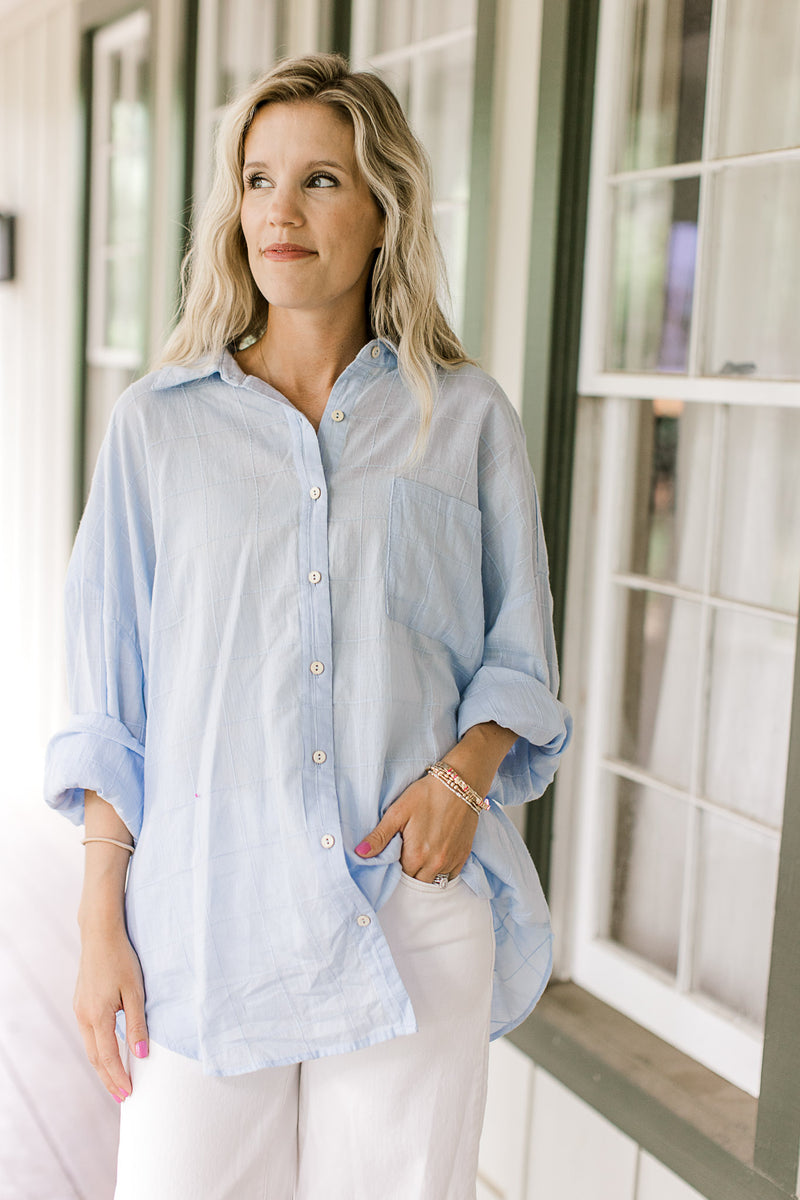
458,786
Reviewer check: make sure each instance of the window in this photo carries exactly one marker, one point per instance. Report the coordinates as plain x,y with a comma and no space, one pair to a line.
118,216
238,40
688,336
426,54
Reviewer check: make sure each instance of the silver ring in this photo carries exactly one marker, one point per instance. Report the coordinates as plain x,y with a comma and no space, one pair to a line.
441,880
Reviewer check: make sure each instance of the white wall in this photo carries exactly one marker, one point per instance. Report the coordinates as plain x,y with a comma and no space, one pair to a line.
39,142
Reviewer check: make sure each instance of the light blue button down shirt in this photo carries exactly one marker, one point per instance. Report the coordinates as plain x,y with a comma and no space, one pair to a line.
272,631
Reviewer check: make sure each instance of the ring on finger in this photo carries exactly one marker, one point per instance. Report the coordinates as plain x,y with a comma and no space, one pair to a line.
441,880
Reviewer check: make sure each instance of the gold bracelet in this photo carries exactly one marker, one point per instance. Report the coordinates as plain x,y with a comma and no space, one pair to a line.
459,787
113,841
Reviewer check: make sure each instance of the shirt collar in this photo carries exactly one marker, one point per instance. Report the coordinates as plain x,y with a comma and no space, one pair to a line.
225,365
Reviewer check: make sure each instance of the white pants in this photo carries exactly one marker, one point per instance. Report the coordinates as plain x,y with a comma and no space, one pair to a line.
397,1121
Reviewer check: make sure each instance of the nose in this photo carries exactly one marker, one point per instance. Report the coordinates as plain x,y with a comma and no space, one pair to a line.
285,207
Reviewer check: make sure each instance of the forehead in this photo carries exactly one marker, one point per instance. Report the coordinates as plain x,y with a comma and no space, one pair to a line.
300,126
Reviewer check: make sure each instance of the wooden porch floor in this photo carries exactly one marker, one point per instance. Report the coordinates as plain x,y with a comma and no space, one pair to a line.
58,1125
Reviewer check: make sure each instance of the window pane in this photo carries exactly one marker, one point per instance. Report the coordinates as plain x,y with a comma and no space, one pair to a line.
752,663
445,16
124,313
246,40
652,275
129,112
444,108
664,93
759,552
736,906
393,25
754,295
649,854
760,102
660,659
451,230
397,75
127,199
670,491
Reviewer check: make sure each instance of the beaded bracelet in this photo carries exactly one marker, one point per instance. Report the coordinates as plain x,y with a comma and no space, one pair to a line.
458,786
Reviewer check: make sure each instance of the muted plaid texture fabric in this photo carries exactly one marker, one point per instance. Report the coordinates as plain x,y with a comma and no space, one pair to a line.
271,633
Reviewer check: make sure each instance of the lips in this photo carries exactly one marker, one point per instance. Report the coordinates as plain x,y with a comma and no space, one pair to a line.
284,251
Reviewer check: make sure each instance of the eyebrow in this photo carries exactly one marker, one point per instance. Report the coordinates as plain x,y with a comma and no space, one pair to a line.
319,162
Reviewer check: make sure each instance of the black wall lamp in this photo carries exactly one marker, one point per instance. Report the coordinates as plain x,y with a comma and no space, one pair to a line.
7,224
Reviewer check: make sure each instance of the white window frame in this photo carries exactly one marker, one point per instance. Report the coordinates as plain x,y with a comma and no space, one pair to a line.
593,380
207,110
706,1031
114,37
412,54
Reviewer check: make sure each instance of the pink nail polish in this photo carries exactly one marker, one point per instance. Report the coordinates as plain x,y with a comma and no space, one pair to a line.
141,1050
363,848
119,1099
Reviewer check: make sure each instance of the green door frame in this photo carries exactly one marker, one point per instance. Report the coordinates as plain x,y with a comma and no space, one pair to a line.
555,286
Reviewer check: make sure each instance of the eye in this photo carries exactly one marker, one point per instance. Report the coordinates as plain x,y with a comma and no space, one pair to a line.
322,180
256,180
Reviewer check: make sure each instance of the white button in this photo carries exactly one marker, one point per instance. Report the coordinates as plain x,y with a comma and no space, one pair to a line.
319,756
314,577
327,840
315,493
317,668
376,352
363,920
337,415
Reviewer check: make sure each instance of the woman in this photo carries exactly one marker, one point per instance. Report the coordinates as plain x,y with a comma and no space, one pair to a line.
309,631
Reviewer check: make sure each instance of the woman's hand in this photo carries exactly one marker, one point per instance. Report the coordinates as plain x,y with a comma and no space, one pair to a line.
109,979
437,829
437,826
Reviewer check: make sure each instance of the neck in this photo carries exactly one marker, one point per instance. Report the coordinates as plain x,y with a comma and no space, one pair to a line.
304,354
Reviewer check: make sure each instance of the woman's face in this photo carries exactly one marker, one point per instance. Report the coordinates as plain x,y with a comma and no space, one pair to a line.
310,222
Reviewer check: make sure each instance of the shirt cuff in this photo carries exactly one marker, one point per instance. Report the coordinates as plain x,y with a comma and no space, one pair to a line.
526,706
97,753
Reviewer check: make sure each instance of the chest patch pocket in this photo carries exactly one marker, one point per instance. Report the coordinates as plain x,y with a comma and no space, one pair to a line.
433,570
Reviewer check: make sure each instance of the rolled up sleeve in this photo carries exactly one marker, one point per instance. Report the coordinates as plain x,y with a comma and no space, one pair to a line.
516,684
107,606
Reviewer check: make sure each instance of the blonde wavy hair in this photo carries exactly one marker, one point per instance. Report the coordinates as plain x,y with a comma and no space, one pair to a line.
221,304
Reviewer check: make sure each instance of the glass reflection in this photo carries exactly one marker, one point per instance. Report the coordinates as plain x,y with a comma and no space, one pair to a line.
760,101
444,108
652,275
749,707
659,649
664,94
648,873
754,293
759,541
669,496
737,878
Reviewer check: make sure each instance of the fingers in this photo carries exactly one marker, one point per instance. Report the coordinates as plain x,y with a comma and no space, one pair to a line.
135,1025
110,979
102,1050
382,834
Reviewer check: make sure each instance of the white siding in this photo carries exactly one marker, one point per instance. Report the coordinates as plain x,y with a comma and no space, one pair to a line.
541,1142
38,135
574,1152
506,1129
657,1183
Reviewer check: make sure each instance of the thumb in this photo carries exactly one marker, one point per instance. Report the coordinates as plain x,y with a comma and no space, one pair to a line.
135,1026
381,835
